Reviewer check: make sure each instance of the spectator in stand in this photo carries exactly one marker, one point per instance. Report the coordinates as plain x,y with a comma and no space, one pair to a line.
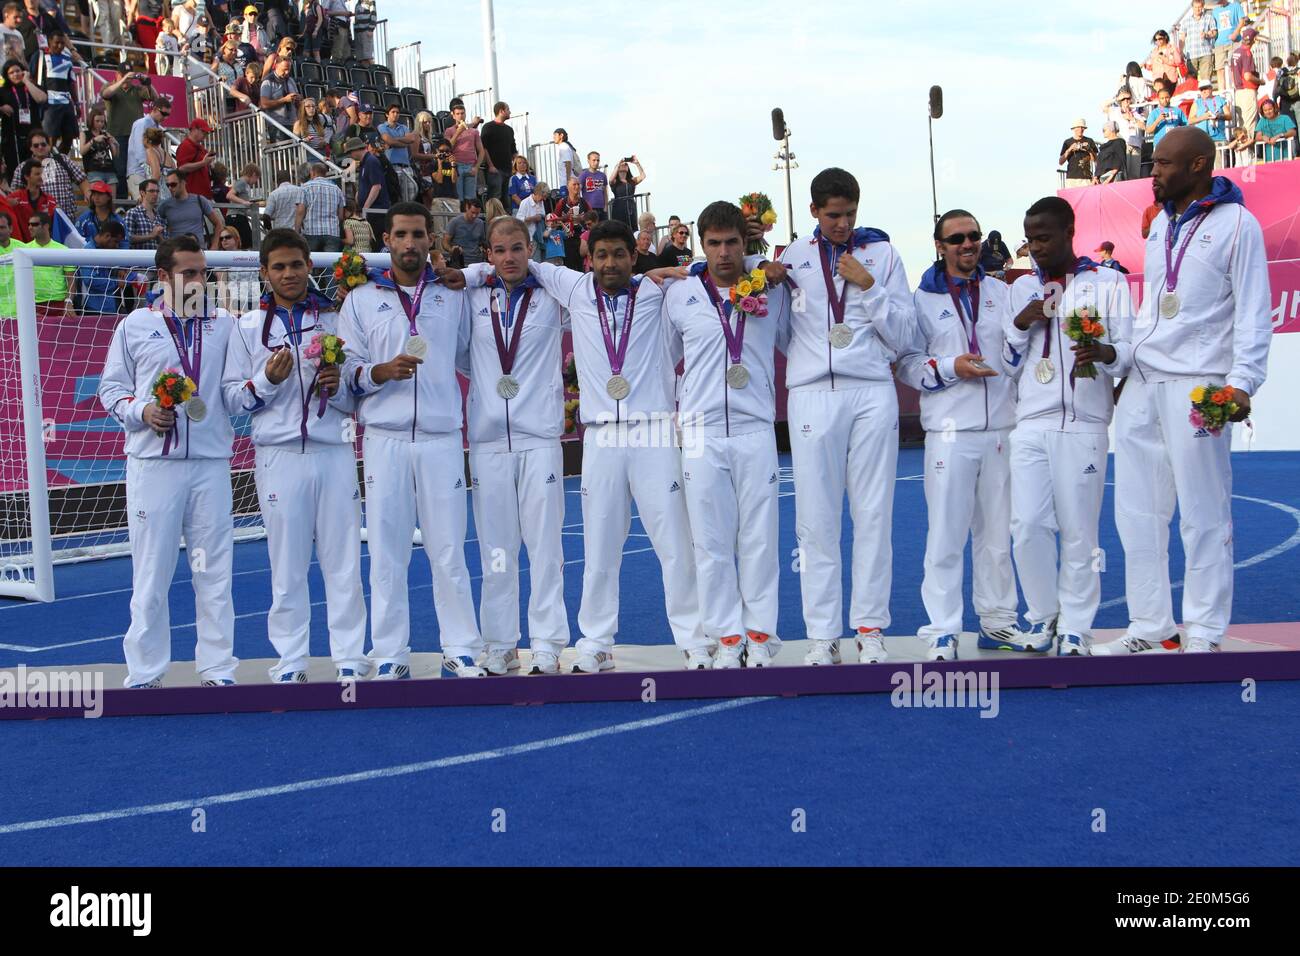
1231,20
99,214
572,209
1108,261
1197,34
238,290
444,173
228,66
183,16
144,227
322,211
357,234
284,50
566,155
168,47
499,144
467,150
341,42
146,17
1211,113
220,183
589,222
646,223
219,11
678,251
645,257
12,45
313,127
1273,130
248,87
53,73
252,33
466,236
194,161
101,285
364,18
184,214
1286,88
623,186
99,150
37,22
64,179
554,236
280,98
1112,160
20,104
1132,129
246,190
398,141
30,197
1246,81
673,223
137,166
314,29
368,126
595,185
522,182
493,209
372,190
532,213
1078,154
1242,147
197,51
124,99
279,18
1165,61
157,154
995,257
1164,118
285,205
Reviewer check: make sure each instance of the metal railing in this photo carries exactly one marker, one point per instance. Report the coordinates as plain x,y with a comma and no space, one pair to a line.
545,161
477,103
439,85
381,44
519,123
404,61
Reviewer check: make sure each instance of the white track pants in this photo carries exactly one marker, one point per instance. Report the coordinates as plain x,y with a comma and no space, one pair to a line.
311,498
968,494
844,440
1160,459
519,498
405,481
732,497
1057,483
163,500
614,473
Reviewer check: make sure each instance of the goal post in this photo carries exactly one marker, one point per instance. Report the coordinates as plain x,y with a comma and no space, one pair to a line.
62,458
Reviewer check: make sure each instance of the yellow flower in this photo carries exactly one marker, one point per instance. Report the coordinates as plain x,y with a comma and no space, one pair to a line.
744,287
769,217
1198,394
331,358
758,280
354,281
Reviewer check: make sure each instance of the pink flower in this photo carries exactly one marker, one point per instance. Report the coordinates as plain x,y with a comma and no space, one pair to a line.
749,304
1196,418
760,312
313,349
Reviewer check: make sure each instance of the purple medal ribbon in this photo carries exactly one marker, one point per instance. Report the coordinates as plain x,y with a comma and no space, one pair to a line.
1175,266
736,339
177,331
506,353
619,354
973,290
828,273
411,306
296,343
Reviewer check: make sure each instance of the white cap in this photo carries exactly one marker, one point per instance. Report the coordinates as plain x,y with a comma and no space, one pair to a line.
1080,122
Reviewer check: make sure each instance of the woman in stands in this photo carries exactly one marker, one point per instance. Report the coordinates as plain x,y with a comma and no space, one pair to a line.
283,51
1166,60
623,185
157,155
571,210
313,127
522,183
20,111
566,155
98,149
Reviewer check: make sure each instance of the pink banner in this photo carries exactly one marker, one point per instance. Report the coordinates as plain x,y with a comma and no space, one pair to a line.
173,86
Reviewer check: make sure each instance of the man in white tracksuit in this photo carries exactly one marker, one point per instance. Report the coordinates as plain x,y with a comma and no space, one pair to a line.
306,468
727,407
1059,446
630,447
843,414
407,335
177,467
967,410
516,419
1207,320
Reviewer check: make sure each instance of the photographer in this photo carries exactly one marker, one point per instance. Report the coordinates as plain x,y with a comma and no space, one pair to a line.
99,150
125,98
444,173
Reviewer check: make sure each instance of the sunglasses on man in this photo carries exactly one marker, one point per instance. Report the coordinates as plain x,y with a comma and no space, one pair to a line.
957,238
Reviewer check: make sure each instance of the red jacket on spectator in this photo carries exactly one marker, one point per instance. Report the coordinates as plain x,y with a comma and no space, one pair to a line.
198,182
21,204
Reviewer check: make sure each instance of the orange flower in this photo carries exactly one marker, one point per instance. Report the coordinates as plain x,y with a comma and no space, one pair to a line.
1219,398
1098,329
165,401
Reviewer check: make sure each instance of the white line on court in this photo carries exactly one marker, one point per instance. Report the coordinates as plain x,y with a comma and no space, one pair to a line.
381,773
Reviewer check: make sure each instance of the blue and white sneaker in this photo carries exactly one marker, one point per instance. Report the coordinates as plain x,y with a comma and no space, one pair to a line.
942,648
217,682
147,685
593,663
461,667
393,672
345,675
1009,638
1041,637
292,677
1073,645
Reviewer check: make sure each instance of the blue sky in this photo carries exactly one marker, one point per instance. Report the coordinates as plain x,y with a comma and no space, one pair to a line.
689,88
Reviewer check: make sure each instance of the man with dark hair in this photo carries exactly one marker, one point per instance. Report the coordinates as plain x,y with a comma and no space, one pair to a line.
178,466
51,283
843,414
466,235
52,69
306,469
499,143
718,322
30,197
144,227
595,185
407,334
64,179
1206,321
629,446
967,411
184,215
372,189
1059,444
322,211
397,139
125,98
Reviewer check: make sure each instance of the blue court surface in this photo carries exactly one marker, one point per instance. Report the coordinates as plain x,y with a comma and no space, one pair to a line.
1179,774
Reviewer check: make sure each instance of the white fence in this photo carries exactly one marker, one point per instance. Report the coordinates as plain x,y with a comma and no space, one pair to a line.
405,64
439,85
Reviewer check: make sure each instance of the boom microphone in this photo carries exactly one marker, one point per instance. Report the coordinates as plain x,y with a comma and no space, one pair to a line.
936,102
778,124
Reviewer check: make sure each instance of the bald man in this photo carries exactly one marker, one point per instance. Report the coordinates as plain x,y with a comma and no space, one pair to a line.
1205,320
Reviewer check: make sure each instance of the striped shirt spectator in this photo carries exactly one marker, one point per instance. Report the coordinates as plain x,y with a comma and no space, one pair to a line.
144,227
323,203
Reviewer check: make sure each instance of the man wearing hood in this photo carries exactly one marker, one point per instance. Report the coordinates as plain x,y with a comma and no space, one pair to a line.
1207,320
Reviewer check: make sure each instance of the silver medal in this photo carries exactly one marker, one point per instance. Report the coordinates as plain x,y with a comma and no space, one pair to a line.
417,347
841,335
196,409
1169,305
1044,371
618,387
737,375
507,387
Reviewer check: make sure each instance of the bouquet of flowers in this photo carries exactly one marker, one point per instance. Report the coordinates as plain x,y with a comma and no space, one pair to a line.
324,349
349,272
570,374
570,416
749,295
758,206
1212,407
1084,329
172,388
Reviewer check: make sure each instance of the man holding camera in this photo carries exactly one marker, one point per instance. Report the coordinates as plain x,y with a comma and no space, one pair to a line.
125,98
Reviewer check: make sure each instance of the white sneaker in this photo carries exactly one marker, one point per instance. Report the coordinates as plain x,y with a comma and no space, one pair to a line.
1136,645
731,653
760,649
1072,645
461,667
700,660
498,662
1201,645
544,662
942,648
593,662
822,653
871,646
